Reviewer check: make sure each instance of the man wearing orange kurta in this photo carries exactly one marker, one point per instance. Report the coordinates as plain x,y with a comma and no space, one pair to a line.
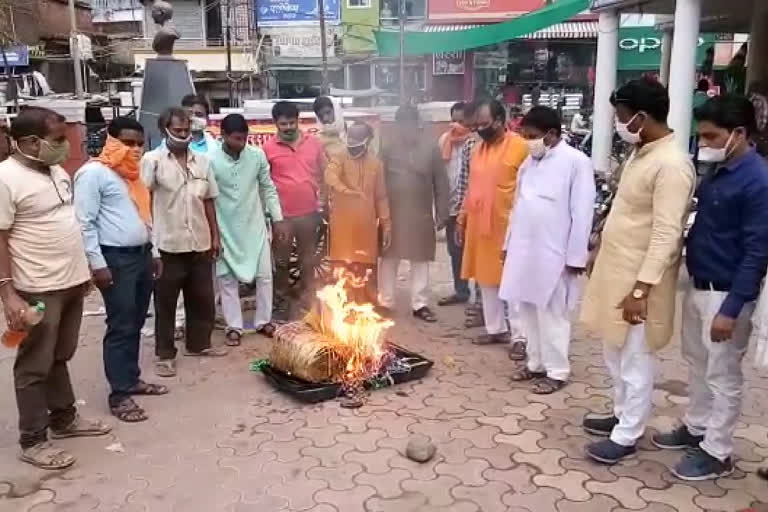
358,207
482,222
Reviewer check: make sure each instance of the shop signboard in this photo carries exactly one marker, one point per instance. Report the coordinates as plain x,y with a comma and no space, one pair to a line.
480,10
15,56
290,12
299,42
448,63
640,48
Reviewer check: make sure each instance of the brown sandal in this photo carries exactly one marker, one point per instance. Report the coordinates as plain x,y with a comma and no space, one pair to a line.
145,389
128,411
524,374
233,338
518,351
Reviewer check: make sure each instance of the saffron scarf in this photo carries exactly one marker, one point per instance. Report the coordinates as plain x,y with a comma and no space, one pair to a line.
125,162
456,135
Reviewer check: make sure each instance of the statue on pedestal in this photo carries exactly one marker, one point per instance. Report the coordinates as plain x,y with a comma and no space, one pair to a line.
166,36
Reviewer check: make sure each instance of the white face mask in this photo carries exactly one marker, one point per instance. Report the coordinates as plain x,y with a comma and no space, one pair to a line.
715,155
627,136
197,124
537,148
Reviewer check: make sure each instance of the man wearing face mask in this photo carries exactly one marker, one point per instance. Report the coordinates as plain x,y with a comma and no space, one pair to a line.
727,255
297,162
546,247
630,298
331,132
246,193
186,233
197,107
417,186
482,222
42,259
113,207
359,208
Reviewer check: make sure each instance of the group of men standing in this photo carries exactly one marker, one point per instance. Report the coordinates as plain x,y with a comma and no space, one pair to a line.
199,217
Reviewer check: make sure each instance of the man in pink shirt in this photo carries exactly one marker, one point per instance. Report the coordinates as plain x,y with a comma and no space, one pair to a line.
297,162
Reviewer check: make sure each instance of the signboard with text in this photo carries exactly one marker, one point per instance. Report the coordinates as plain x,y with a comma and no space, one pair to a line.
448,63
640,48
283,12
480,10
15,56
299,42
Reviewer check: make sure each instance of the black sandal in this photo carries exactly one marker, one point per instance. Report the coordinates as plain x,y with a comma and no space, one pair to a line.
233,338
128,411
547,386
145,389
425,314
523,374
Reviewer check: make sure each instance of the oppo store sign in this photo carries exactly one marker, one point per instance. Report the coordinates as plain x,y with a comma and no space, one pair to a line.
645,44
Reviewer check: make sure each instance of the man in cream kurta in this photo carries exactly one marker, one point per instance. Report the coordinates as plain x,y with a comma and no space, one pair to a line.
546,247
630,298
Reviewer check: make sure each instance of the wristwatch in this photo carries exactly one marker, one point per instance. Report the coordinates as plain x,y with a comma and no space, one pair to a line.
638,294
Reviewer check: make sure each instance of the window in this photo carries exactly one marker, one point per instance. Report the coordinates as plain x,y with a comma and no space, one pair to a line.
358,4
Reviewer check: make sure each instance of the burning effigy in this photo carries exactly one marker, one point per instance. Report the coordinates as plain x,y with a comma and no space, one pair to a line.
339,347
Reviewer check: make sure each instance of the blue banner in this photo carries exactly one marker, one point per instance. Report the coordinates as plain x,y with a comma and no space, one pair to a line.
15,56
285,12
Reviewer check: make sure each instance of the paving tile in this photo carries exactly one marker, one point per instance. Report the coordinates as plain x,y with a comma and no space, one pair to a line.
597,503
375,463
439,430
363,442
468,473
281,432
288,451
425,471
624,490
437,491
481,437
519,477
758,434
454,451
532,411
449,405
546,461
543,499
393,424
508,424
552,401
346,500
680,497
596,472
330,457
487,497
652,507
407,502
299,492
733,500
353,424
321,436
321,508
387,485
499,457
459,506
571,483
751,485
338,478
527,441
573,446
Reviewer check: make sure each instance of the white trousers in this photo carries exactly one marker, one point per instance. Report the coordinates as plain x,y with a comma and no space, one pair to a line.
633,369
497,312
228,289
419,282
715,377
549,337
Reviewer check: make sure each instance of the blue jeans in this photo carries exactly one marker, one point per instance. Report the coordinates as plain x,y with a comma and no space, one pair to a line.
126,302
460,286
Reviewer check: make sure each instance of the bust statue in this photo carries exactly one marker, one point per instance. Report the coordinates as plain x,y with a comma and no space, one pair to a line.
166,36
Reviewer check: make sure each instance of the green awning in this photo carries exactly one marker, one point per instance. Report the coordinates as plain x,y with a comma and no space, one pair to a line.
421,43
640,48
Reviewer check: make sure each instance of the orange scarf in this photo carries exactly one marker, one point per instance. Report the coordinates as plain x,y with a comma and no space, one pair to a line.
455,136
125,162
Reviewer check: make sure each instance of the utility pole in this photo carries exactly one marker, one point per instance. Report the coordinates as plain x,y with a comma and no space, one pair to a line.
401,8
323,45
74,44
229,54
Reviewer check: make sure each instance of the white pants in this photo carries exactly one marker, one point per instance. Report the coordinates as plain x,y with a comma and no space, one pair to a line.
632,368
228,289
496,312
549,336
715,377
419,282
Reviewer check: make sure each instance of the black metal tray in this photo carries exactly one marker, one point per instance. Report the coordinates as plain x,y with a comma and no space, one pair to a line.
309,392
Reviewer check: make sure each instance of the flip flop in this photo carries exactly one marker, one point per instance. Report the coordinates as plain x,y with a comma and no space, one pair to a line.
233,338
425,314
524,374
128,411
46,456
547,386
145,389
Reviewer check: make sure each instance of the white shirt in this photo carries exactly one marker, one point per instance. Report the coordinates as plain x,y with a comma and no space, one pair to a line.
549,226
44,240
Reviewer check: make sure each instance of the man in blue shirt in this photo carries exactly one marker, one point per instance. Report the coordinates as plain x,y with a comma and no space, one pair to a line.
113,208
727,255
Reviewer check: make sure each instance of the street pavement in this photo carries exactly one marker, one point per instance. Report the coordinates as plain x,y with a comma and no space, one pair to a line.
224,440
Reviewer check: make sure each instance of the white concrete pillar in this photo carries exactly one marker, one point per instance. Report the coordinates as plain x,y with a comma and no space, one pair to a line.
682,74
605,83
757,64
666,56
347,77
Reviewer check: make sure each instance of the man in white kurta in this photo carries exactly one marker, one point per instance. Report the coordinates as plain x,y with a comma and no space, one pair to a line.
546,247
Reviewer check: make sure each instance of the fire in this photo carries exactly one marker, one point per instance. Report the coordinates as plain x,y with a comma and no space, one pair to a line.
357,329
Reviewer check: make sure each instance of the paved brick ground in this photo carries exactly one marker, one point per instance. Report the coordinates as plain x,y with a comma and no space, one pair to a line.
225,441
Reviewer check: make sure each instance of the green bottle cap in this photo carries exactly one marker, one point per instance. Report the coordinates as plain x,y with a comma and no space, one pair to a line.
40,307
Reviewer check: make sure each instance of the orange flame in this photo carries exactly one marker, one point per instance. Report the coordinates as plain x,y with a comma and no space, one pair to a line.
358,328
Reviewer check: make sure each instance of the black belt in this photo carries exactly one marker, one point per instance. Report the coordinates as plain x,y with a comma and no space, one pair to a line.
136,249
700,284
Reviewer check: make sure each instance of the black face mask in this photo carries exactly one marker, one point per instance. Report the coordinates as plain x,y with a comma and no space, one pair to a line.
487,133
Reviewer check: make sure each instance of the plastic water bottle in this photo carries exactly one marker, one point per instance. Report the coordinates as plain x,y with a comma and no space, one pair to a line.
32,316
